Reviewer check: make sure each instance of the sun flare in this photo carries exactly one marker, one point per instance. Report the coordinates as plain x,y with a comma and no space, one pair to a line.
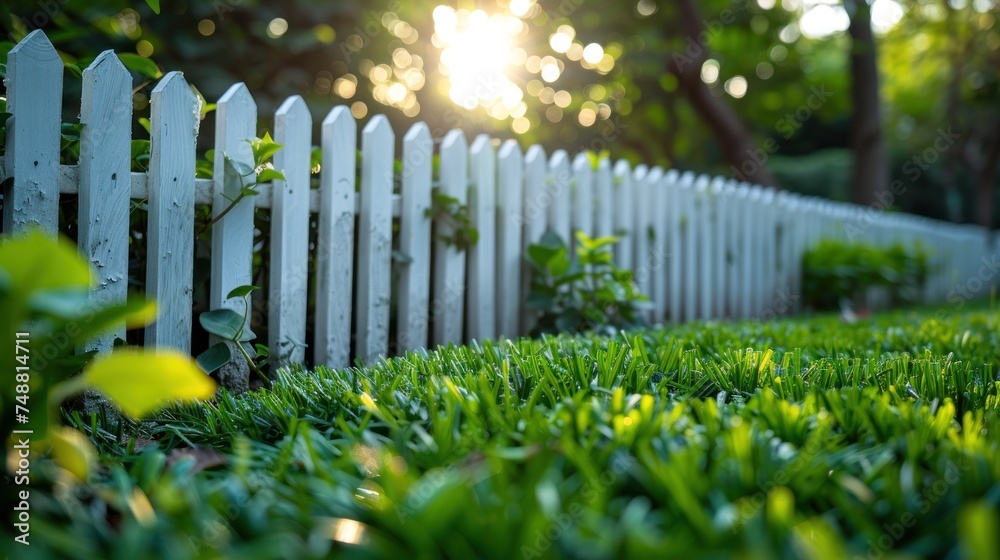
477,53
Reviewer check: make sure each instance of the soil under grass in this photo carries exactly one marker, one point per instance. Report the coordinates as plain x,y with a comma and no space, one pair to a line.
798,438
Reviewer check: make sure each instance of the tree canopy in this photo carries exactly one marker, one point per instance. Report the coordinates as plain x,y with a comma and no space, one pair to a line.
757,89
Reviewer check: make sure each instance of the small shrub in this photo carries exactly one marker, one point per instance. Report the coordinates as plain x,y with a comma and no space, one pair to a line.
586,292
834,270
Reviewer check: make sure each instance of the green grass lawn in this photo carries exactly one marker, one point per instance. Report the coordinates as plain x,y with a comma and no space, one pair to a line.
799,438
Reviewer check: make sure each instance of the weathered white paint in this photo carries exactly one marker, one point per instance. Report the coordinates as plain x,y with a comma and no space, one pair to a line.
739,249
690,218
335,240
105,160
639,230
705,237
232,236
375,239
559,187
448,305
537,197
34,98
675,238
510,219
289,270
655,263
582,192
604,200
415,238
482,259
170,245
624,220
661,244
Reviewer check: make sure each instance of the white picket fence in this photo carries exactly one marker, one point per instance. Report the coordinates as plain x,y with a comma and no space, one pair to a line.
700,247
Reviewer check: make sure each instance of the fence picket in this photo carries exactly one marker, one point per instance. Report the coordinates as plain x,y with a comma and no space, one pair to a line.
656,260
639,228
510,179
690,218
34,98
415,238
289,267
623,218
717,251
105,182
675,238
583,195
537,195
705,237
335,239
481,294
604,219
375,239
661,244
170,245
232,235
448,306
559,207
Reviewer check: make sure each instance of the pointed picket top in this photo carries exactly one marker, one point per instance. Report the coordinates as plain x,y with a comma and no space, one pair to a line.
452,139
639,172
479,144
294,108
655,175
107,64
378,128
419,132
687,179
35,48
109,74
622,168
509,149
533,154
582,162
671,176
174,86
339,115
237,100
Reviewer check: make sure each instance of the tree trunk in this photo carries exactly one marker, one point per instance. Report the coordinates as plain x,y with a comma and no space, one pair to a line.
985,178
749,163
871,166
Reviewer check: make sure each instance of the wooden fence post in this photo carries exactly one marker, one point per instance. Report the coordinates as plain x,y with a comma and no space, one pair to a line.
415,238
482,260
232,235
335,239
289,270
170,246
106,182
375,239
34,99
